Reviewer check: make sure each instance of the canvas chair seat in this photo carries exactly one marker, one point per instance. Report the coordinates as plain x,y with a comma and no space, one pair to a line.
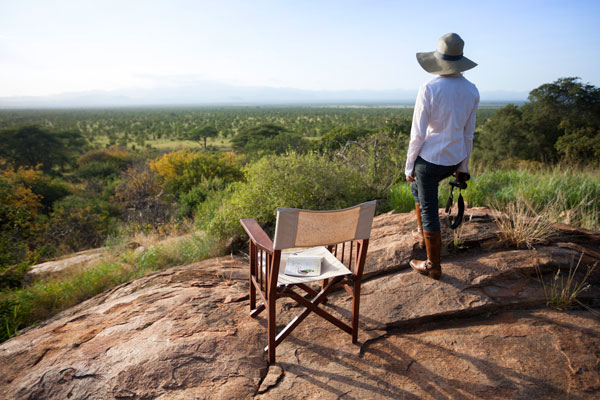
330,268
341,237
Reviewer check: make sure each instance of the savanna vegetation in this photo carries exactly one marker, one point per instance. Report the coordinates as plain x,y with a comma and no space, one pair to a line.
77,179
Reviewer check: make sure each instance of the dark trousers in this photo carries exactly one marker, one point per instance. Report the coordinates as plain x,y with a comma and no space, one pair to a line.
425,190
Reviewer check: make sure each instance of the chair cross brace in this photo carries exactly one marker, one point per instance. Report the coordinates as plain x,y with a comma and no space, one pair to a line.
310,306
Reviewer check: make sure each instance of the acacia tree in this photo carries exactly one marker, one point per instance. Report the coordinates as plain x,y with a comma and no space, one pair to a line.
200,134
255,134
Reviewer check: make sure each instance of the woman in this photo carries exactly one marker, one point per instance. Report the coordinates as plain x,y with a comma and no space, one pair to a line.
441,139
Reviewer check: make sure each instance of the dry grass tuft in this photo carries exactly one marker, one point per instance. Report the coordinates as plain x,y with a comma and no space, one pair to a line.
521,226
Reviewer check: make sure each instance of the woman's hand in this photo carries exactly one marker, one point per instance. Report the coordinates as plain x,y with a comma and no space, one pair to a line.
410,178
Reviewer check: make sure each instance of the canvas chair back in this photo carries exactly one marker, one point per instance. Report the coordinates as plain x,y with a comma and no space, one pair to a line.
306,228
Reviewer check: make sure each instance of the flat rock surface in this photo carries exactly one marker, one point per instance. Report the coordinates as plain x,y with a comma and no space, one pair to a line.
471,283
482,331
510,355
184,332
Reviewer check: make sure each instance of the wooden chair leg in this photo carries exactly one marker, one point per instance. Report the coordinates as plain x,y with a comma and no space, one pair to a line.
252,295
324,283
355,311
271,330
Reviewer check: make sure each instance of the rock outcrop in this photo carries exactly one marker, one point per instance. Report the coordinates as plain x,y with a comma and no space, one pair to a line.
81,259
481,331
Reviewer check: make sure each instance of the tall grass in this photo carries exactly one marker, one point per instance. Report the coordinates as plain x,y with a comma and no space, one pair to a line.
402,200
568,194
561,295
42,299
520,226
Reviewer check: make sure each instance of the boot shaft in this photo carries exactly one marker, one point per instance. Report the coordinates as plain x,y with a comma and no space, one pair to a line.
433,245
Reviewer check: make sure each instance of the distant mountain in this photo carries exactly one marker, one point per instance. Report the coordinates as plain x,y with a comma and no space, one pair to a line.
210,93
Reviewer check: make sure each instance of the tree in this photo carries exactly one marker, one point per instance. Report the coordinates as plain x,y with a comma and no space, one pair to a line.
563,107
561,120
31,146
508,136
202,133
268,139
337,138
255,134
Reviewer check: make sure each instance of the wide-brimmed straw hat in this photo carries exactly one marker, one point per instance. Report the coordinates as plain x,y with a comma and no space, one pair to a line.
448,58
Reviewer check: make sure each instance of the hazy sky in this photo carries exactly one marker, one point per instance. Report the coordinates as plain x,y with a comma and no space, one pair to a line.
52,46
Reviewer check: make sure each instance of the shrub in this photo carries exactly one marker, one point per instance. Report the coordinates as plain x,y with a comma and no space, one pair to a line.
379,158
103,163
78,223
183,170
141,197
302,181
12,276
337,138
19,206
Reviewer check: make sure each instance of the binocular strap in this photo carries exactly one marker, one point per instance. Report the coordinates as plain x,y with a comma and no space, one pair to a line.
455,222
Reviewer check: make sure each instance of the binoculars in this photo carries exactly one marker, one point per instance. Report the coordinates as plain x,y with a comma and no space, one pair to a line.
461,180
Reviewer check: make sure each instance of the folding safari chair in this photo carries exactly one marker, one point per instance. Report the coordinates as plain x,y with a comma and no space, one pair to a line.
341,237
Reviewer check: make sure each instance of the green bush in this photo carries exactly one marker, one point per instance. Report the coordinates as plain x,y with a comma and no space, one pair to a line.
50,191
77,223
560,121
336,138
103,163
12,276
140,197
379,158
181,171
305,181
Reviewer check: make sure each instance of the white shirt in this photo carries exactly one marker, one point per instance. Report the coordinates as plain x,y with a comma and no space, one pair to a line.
443,123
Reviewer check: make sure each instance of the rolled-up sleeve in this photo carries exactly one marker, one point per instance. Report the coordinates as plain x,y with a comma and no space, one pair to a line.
469,133
418,130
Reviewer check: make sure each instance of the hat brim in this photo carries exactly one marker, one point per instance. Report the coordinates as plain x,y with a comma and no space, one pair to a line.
434,65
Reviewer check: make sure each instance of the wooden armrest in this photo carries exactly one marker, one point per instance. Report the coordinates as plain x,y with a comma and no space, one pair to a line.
256,233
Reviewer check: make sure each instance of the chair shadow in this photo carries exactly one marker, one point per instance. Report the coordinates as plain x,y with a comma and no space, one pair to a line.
393,360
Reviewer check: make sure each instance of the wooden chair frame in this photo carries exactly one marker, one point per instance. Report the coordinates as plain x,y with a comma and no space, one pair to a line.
263,281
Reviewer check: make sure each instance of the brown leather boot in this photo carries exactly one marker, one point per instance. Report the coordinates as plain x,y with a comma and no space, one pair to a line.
431,267
418,233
